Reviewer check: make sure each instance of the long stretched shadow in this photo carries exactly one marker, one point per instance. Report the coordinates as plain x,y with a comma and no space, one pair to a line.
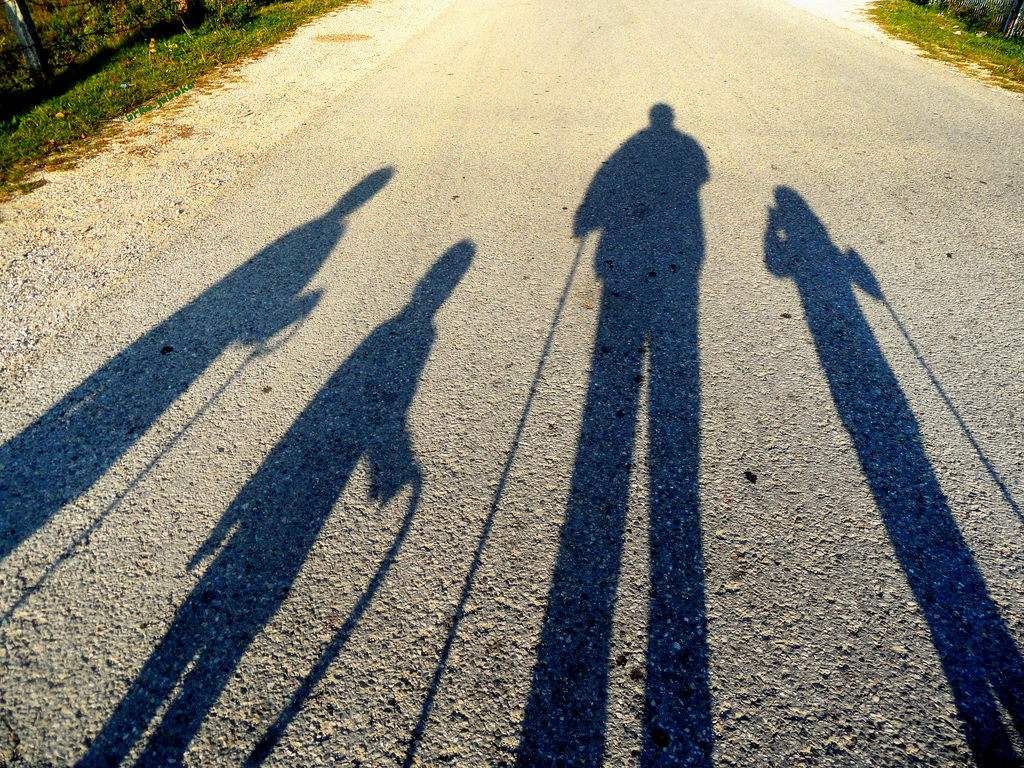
979,656
267,532
644,200
65,451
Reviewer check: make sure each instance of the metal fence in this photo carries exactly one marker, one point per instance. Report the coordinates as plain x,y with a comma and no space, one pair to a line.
1005,17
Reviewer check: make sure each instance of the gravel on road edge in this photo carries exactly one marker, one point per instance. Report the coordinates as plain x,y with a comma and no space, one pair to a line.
90,229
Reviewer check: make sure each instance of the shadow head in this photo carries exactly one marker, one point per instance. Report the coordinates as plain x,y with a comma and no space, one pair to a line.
361,193
789,200
798,244
795,222
439,282
662,117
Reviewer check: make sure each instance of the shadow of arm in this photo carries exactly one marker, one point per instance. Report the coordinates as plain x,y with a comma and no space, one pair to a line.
860,274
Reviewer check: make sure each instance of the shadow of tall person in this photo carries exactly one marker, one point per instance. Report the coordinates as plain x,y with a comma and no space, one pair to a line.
269,529
65,451
644,201
979,656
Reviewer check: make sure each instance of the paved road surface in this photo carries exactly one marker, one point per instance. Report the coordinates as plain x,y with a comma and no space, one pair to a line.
621,383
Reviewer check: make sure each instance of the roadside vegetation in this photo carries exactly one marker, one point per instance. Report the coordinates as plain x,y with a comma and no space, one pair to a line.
110,57
966,40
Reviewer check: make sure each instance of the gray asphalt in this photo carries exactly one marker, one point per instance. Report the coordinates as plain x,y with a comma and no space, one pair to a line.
621,383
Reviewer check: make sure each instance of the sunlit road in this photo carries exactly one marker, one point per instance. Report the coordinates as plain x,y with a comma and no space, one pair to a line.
597,383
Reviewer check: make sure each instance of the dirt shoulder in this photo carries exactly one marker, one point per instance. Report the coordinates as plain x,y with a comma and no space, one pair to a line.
91,228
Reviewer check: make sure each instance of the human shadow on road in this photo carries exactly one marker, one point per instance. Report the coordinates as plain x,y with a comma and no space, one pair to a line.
644,200
64,452
266,534
979,656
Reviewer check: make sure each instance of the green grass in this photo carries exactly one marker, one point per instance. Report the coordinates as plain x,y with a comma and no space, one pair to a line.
997,60
50,129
